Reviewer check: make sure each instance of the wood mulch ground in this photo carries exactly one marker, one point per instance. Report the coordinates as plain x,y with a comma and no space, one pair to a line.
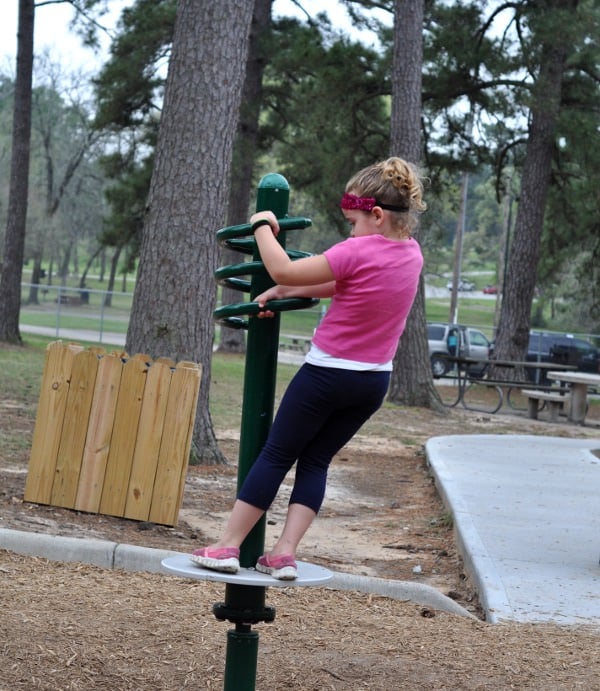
74,626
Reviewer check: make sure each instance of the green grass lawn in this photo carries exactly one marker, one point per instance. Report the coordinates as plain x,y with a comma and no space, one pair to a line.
21,371
82,319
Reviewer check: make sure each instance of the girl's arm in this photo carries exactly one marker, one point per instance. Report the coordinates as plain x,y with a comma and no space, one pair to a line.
323,290
308,271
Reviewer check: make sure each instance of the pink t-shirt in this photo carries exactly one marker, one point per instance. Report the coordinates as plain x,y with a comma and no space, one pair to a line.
376,283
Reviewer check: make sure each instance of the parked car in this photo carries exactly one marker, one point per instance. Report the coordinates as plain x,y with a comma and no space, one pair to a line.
490,290
449,340
463,284
563,349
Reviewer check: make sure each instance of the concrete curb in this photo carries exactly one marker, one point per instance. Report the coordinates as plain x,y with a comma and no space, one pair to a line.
101,553
399,590
112,555
477,560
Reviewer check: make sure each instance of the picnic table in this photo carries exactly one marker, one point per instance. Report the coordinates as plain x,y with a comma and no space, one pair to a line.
579,383
466,381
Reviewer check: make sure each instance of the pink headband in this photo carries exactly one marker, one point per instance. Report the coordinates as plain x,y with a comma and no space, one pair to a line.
351,201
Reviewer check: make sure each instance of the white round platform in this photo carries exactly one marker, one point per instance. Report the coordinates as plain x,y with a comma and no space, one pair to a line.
308,574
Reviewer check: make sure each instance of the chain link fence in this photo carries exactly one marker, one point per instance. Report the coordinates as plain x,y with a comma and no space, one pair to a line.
63,312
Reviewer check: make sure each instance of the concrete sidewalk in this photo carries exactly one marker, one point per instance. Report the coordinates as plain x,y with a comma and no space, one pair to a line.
527,515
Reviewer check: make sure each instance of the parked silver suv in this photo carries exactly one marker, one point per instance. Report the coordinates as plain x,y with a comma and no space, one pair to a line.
449,340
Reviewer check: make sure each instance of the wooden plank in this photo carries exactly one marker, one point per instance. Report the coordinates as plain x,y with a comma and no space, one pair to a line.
74,430
147,448
49,421
98,440
188,442
120,456
176,443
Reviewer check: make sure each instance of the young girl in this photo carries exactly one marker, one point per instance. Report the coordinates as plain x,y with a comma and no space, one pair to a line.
372,278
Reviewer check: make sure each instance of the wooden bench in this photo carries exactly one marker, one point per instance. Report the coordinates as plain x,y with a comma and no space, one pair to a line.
83,298
68,300
554,401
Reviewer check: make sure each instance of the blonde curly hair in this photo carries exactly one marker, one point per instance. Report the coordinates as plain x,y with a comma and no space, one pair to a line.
393,181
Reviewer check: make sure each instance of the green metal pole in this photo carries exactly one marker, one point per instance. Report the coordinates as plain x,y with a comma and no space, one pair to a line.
257,415
241,660
261,366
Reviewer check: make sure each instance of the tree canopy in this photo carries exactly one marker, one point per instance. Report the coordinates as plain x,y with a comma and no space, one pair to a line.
325,109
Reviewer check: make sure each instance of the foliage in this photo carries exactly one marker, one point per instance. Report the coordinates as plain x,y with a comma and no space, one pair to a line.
325,109
129,93
130,86
483,117
568,273
65,204
126,196
326,113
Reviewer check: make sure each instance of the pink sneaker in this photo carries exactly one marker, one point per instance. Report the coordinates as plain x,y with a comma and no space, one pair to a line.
226,559
282,567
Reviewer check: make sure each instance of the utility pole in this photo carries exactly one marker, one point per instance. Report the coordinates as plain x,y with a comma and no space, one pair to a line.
458,248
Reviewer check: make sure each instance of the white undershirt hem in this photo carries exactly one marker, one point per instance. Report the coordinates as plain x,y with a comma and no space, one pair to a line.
320,358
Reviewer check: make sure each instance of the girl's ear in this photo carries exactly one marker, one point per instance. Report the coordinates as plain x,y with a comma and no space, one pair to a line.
378,214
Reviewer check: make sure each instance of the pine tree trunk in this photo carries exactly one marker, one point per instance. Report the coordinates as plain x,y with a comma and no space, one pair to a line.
175,291
244,154
14,238
412,381
515,317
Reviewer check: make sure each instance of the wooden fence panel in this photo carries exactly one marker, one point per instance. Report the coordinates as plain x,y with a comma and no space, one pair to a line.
150,432
99,434
113,434
176,442
124,436
72,441
49,421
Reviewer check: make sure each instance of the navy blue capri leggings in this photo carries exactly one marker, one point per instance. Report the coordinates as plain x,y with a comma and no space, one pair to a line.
321,411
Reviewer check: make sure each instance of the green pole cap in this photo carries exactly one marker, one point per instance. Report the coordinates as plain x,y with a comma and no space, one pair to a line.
273,181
